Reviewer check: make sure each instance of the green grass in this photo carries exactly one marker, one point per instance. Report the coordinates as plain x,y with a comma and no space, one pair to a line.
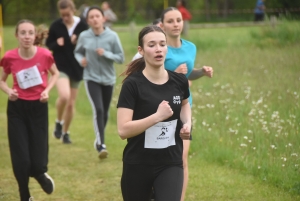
251,104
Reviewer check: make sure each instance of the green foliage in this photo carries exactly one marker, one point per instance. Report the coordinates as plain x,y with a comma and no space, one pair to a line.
44,11
247,117
285,33
246,127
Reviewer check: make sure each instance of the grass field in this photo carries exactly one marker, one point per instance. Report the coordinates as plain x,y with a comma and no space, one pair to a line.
246,142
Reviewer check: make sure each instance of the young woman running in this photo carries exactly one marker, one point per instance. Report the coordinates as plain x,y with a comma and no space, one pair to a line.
97,49
27,108
181,59
154,116
62,38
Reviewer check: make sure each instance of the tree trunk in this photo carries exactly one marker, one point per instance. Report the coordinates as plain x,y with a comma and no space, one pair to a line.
52,9
225,9
207,10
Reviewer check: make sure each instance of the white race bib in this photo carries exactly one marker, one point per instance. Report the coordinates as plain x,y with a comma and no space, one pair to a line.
161,135
29,77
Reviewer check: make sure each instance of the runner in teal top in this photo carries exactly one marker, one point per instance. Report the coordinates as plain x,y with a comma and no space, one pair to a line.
187,52
181,59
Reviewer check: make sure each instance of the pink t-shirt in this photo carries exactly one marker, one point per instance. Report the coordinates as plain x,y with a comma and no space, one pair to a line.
12,63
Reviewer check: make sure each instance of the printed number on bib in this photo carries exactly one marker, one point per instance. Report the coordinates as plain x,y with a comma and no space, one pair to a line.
161,135
29,77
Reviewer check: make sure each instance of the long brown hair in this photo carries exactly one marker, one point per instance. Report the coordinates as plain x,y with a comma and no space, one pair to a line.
139,64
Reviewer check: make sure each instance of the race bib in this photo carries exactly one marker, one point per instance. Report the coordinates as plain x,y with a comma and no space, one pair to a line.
161,135
29,77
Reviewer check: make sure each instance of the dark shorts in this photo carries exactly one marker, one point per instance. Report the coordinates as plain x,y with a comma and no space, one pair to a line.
74,84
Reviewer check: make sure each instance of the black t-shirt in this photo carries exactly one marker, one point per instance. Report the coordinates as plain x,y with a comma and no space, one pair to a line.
144,97
64,55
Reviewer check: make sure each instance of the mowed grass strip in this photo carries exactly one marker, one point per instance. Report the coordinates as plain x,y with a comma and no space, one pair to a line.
221,166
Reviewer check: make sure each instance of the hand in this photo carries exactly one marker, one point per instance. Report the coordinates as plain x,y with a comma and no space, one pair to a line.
44,96
83,62
185,132
74,39
100,51
208,71
60,41
164,110
13,94
190,83
182,69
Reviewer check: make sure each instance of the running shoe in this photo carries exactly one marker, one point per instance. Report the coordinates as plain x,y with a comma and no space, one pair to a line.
46,183
102,152
31,199
66,138
58,130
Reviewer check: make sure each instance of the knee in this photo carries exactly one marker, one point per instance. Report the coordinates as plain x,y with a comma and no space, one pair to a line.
99,111
21,166
71,105
63,98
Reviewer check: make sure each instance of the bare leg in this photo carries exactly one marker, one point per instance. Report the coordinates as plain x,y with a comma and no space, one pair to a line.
63,89
70,110
186,147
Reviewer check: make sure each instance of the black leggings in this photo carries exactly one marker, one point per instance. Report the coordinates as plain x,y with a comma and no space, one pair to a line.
28,141
100,98
137,182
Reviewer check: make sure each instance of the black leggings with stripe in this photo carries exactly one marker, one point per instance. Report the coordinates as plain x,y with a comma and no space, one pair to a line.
100,97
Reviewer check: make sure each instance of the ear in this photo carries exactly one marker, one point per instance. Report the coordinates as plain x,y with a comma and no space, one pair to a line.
140,50
161,26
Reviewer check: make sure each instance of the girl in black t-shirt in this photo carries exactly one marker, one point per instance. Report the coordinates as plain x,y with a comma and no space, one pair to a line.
154,116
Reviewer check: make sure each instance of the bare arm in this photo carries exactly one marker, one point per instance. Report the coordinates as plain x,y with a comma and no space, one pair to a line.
185,116
12,93
128,128
54,76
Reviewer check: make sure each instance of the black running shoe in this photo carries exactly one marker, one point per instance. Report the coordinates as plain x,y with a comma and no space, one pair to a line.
102,152
58,130
66,138
46,183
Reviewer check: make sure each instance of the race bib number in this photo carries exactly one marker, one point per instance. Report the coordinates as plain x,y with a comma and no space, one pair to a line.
161,135
29,77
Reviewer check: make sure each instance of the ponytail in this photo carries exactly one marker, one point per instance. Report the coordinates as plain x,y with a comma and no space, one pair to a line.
137,65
